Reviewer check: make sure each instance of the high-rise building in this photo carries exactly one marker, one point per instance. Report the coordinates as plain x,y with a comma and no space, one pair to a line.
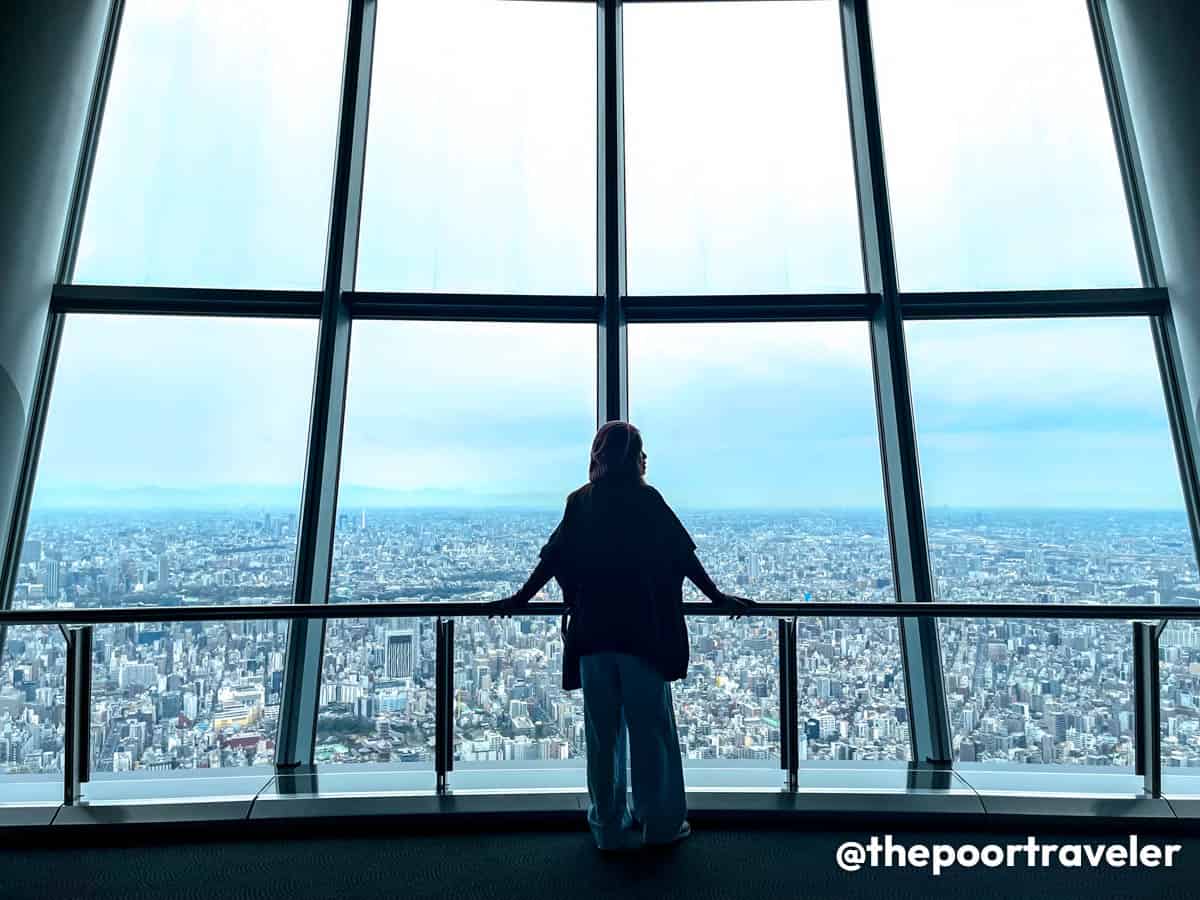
137,675
52,582
828,725
400,654
1056,724
1166,587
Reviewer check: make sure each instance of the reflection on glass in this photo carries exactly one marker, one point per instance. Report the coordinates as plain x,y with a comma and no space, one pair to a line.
739,173
215,157
1179,693
1041,692
851,690
171,464
481,150
377,692
763,437
1047,463
33,669
186,696
1002,168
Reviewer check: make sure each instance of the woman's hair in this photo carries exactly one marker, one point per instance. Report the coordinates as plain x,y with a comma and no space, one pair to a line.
616,451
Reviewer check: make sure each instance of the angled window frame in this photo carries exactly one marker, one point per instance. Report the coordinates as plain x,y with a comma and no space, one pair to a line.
883,305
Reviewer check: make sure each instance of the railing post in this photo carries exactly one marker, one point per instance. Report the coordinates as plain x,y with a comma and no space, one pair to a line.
1146,709
789,704
443,731
77,727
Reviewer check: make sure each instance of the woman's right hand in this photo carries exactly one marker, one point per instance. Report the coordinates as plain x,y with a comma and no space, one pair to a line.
738,605
504,607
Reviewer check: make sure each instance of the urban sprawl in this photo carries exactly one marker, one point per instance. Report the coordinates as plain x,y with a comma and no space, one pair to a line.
207,695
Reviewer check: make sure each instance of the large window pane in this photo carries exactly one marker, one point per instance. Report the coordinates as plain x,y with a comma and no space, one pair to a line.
727,709
171,464
1049,477
199,695
462,441
33,668
764,437
1001,163
481,151
216,151
851,690
377,694
1179,696
1039,692
739,174
511,707
1047,462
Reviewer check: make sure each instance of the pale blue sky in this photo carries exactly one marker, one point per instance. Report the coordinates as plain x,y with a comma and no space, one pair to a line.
214,166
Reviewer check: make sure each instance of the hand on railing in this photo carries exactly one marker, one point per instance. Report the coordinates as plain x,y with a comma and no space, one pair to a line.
737,605
504,607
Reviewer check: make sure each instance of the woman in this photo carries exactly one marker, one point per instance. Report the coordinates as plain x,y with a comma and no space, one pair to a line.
620,555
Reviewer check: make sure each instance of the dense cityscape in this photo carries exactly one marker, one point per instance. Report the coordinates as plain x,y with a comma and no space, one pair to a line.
206,695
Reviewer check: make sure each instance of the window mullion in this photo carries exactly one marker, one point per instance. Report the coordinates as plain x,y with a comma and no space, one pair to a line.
925,693
612,382
314,553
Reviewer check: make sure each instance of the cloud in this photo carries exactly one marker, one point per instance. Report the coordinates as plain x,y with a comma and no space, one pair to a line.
214,167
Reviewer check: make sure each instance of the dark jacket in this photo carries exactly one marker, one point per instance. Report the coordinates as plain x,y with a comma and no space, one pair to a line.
619,555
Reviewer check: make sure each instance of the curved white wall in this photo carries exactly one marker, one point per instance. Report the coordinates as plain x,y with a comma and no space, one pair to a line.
48,55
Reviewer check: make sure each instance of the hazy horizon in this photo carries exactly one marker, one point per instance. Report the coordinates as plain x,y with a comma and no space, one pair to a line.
222,497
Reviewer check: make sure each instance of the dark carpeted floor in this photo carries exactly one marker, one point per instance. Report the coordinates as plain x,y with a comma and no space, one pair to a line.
712,865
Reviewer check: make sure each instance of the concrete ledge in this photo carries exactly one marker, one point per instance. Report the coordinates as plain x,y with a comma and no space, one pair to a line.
404,798
146,812
27,815
1066,805
282,806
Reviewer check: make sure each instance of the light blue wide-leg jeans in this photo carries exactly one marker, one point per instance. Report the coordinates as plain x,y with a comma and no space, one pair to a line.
624,695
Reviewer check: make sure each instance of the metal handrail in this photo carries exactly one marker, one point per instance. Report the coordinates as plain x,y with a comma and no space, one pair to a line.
1147,628
1131,612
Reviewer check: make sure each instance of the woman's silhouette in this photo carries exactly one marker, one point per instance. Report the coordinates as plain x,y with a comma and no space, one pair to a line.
620,555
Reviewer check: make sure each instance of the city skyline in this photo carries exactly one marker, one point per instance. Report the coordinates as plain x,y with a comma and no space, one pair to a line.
206,695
